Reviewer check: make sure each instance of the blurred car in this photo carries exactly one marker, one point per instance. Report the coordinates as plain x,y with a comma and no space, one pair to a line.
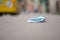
9,6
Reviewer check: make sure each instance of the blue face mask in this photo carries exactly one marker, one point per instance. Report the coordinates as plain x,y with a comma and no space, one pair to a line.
37,19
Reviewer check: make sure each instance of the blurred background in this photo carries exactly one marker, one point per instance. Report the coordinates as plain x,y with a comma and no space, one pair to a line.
42,6
18,6
14,15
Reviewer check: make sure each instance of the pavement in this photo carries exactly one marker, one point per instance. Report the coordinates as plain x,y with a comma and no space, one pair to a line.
17,28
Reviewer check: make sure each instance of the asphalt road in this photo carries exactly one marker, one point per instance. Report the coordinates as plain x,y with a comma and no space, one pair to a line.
17,28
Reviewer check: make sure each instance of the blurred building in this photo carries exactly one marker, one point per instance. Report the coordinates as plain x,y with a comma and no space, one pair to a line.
52,6
58,6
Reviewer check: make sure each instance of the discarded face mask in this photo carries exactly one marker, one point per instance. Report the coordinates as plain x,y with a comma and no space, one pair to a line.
37,19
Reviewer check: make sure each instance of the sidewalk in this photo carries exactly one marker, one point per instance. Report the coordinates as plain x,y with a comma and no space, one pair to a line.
17,28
